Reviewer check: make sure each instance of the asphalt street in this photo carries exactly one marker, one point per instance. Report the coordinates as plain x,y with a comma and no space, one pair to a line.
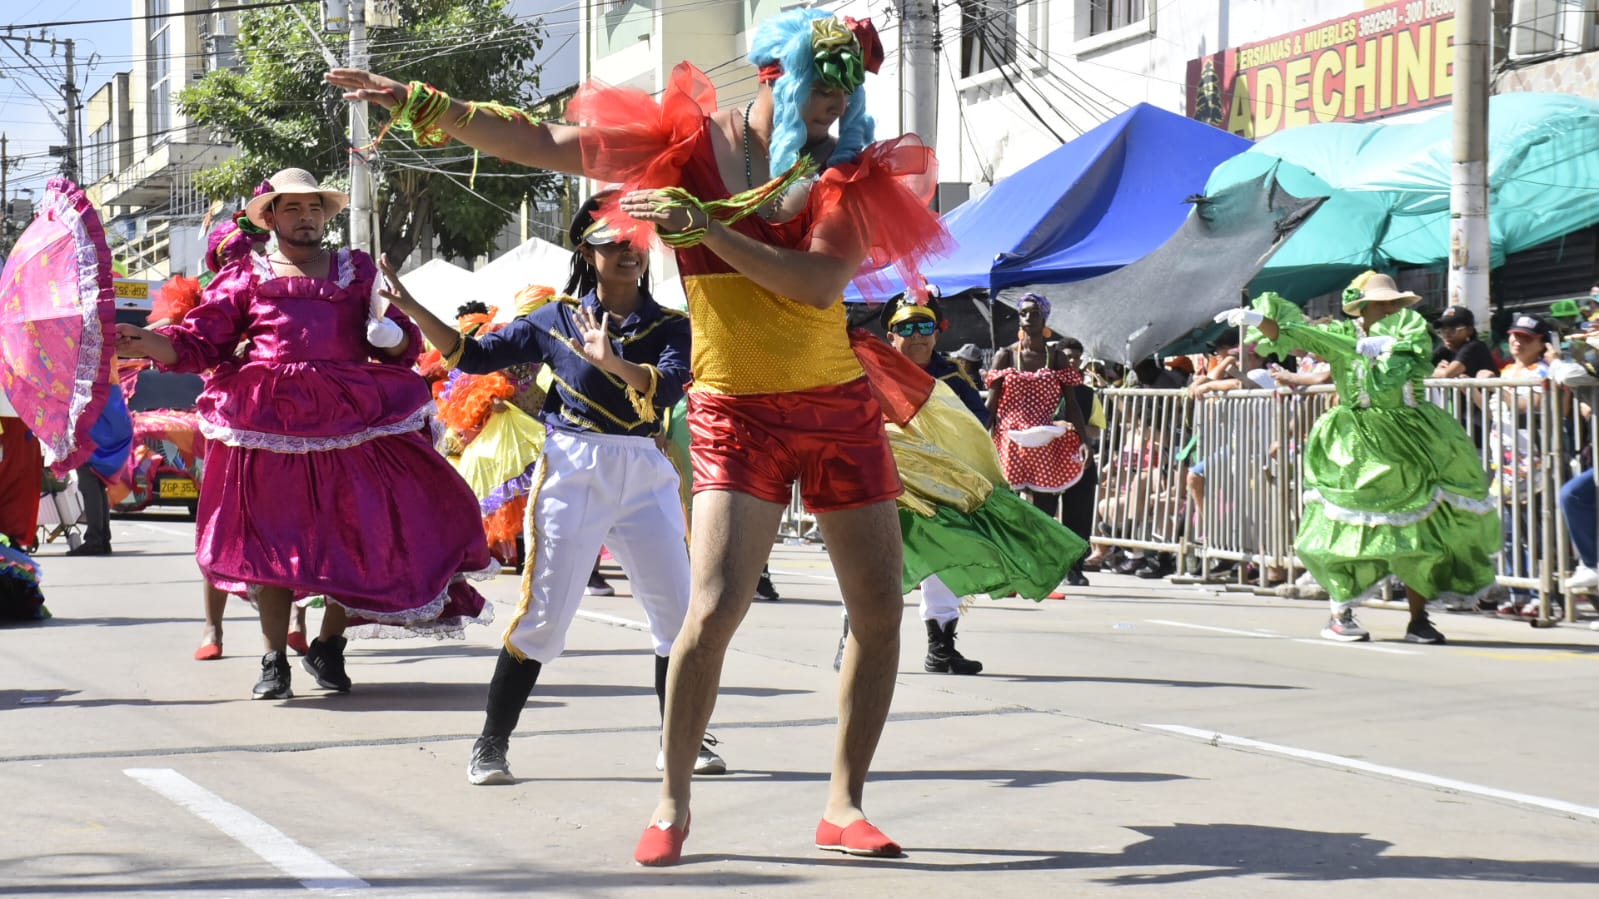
1137,739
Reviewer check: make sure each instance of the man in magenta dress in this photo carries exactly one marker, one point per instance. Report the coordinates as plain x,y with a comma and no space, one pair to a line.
321,476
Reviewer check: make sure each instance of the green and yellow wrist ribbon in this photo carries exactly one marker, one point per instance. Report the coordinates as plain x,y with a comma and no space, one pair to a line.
739,206
501,110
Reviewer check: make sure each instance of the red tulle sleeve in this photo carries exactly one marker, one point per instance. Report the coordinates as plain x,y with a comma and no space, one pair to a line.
631,138
884,199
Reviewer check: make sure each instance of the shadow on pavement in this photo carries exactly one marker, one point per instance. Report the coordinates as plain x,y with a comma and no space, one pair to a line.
1006,778
1140,681
1220,850
62,698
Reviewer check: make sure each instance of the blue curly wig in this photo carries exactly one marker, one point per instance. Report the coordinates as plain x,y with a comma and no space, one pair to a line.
786,39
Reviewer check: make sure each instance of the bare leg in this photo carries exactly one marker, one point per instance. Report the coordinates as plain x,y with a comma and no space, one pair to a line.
297,623
274,604
334,620
733,535
866,549
216,602
1418,604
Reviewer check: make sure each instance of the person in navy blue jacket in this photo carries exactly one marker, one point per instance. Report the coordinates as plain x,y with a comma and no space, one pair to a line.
620,362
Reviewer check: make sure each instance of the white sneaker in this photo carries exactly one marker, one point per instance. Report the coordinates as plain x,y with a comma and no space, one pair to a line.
1583,580
708,762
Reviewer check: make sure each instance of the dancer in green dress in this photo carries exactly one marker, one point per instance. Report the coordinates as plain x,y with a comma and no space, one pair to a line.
1393,485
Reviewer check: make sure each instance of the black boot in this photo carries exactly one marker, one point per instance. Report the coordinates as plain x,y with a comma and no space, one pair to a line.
274,682
325,662
942,656
838,659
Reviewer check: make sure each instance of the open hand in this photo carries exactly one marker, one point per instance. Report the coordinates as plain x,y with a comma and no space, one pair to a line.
393,290
367,87
643,205
131,342
596,343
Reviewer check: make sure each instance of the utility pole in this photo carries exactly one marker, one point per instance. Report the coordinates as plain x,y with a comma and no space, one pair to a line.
360,174
918,70
69,93
1468,196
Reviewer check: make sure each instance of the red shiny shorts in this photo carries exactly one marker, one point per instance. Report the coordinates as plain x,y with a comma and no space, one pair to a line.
830,439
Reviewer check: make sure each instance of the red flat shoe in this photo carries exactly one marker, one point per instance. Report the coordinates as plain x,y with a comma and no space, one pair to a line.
860,838
297,642
662,845
208,653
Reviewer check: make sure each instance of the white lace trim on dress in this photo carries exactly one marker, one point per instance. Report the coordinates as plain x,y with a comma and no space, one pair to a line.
1401,519
285,443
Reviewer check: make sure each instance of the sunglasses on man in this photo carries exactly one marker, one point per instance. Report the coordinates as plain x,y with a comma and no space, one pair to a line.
906,329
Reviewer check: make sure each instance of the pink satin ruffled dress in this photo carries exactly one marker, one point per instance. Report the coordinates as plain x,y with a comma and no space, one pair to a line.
320,471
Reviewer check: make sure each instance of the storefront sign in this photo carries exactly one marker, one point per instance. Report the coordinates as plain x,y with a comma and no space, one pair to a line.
1366,65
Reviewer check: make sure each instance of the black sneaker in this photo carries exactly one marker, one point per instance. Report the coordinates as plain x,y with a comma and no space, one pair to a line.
488,762
1075,578
598,585
274,682
707,762
325,661
1345,629
1155,568
764,591
1422,631
91,549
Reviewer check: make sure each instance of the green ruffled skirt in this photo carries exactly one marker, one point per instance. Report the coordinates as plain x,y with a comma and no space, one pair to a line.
1004,546
1396,492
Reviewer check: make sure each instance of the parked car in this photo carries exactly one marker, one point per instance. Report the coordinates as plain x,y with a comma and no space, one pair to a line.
163,474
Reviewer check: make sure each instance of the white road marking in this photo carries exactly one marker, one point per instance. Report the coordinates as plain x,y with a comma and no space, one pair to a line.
612,619
275,848
1391,650
815,577
162,530
1444,783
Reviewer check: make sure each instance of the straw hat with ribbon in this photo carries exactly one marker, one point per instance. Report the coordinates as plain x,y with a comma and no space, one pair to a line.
1371,287
294,181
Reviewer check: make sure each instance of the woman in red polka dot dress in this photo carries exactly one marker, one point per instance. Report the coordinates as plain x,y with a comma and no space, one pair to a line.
1030,385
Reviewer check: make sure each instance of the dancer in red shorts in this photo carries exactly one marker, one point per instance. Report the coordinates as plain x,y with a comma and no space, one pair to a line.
778,393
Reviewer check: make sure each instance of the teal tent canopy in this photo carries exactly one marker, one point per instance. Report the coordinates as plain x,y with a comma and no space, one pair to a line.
1388,187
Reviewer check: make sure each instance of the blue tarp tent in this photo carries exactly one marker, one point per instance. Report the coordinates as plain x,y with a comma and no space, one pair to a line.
1094,205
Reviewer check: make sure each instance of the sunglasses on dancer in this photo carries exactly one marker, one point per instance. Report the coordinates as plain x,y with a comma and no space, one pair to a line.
906,329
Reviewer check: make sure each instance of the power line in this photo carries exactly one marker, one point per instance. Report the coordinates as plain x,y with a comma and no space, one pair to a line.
268,4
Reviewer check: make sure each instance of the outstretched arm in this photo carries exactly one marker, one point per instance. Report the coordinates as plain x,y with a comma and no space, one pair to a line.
552,147
815,276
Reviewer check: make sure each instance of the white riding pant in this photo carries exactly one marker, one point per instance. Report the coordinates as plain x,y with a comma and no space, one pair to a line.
939,603
593,490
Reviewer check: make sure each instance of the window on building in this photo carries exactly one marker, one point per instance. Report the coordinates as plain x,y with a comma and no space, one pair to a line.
988,35
97,162
1109,15
158,68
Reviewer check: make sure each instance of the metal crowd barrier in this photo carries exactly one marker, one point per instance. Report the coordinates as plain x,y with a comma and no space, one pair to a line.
798,525
1248,446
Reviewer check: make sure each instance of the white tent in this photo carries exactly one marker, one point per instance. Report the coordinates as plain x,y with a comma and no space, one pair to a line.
540,262
439,286
534,262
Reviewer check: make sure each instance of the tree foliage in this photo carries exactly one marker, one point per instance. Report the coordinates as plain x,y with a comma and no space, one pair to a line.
274,107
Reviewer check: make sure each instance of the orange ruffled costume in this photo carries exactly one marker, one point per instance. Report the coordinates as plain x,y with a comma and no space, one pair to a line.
754,350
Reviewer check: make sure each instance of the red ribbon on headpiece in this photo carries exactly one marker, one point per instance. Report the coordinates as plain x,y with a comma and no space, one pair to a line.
770,72
872,55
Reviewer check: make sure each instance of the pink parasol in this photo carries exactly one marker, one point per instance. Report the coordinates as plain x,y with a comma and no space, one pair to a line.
57,325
